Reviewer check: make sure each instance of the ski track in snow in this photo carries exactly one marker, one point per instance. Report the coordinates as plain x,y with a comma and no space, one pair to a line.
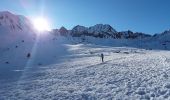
126,74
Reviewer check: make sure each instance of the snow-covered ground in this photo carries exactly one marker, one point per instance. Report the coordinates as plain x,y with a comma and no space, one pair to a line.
57,66
75,72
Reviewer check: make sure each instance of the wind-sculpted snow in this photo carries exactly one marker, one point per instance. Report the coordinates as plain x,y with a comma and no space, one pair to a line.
127,73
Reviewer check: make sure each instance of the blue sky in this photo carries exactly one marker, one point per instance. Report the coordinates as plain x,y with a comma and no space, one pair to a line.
149,16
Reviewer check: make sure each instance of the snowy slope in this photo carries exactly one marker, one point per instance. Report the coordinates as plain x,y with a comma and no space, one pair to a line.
14,28
127,73
68,67
14,22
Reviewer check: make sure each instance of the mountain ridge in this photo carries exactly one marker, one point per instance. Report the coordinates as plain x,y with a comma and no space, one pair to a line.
12,22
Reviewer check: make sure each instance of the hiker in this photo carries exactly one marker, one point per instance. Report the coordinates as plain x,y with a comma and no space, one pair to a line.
28,55
102,57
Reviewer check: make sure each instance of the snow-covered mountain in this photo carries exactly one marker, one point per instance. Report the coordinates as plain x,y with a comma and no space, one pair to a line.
11,23
63,31
79,31
102,30
14,22
15,28
60,66
164,36
131,35
99,30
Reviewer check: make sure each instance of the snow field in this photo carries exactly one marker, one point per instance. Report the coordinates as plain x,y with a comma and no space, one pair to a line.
127,73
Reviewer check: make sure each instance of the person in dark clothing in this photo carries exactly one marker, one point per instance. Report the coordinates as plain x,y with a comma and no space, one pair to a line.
102,57
28,55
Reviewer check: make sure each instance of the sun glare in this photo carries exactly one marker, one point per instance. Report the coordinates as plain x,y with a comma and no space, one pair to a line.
41,24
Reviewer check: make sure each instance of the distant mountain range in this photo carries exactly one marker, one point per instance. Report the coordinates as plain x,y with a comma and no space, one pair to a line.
18,23
107,31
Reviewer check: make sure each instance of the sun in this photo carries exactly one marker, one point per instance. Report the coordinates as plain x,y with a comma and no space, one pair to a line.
41,24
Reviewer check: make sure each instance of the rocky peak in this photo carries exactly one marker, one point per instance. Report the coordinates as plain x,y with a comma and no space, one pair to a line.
63,31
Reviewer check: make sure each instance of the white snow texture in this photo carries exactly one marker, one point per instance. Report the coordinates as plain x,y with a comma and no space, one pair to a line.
54,67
